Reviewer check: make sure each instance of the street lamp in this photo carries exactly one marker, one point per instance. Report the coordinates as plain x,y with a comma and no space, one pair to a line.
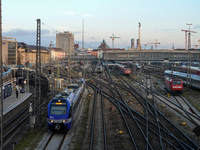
25,86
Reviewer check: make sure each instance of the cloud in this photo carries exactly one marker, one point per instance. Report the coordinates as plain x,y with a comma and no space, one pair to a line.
69,13
77,32
22,32
167,30
197,26
29,36
18,32
93,38
86,15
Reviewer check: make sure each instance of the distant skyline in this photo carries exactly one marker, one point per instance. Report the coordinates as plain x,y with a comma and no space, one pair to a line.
161,20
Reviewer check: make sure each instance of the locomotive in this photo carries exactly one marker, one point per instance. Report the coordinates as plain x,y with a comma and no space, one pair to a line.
123,69
99,69
195,79
62,108
174,86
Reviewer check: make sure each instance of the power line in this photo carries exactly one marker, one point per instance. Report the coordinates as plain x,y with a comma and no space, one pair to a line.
173,42
59,31
50,27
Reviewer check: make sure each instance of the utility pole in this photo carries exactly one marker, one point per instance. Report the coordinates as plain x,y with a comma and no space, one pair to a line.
1,79
139,36
113,37
198,60
69,59
37,111
58,77
27,73
83,49
189,63
139,44
189,59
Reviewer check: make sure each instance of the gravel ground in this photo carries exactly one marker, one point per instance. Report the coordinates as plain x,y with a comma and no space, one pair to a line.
176,118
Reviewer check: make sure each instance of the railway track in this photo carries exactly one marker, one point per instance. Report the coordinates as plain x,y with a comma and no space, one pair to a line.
153,119
178,104
55,141
98,129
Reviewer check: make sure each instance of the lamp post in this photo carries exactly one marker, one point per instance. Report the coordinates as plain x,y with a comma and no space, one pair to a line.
25,86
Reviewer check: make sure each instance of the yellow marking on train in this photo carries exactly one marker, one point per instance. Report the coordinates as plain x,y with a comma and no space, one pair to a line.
58,103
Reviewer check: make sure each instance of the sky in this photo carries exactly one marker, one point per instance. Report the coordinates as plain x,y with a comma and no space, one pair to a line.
161,20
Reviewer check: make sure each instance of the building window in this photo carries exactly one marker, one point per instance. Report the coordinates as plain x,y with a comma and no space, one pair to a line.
11,45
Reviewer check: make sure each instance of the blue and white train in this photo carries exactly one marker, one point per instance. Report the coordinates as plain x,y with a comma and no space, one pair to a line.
62,108
195,79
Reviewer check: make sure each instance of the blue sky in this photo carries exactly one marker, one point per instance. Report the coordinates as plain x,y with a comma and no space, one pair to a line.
160,19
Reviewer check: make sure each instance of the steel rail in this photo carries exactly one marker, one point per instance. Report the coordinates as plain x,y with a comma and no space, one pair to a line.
171,135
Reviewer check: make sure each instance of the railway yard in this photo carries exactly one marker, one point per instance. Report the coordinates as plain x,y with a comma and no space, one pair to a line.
124,112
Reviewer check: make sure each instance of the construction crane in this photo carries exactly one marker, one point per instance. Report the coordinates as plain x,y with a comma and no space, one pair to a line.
186,36
143,45
154,43
196,46
113,37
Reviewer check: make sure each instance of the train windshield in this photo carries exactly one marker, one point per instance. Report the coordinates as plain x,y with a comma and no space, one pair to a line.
58,110
179,82
127,69
176,82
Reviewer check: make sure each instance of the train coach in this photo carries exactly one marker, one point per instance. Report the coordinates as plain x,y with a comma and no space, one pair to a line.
195,79
61,110
194,70
123,69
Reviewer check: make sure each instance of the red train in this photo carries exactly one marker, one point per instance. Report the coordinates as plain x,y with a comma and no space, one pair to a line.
123,69
194,70
174,86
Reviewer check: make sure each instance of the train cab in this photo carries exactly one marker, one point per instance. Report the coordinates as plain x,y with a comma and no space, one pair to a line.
175,86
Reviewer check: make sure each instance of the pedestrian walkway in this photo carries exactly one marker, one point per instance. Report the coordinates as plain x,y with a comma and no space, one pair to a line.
11,102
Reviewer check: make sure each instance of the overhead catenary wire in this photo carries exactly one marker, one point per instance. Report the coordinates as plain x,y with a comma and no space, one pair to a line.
173,42
59,31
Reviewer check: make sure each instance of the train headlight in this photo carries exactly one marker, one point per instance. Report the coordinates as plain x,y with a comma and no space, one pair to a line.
64,121
50,121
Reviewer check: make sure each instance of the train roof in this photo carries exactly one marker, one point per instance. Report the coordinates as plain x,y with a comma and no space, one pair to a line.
181,74
192,67
119,65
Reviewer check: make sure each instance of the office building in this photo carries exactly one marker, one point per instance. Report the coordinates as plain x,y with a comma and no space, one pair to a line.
9,51
65,41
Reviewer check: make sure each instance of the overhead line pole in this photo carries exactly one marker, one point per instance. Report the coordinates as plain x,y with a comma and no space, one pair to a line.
37,74
139,48
83,49
1,79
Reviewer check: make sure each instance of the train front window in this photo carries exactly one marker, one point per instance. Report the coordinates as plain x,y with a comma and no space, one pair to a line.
179,82
174,82
58,110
